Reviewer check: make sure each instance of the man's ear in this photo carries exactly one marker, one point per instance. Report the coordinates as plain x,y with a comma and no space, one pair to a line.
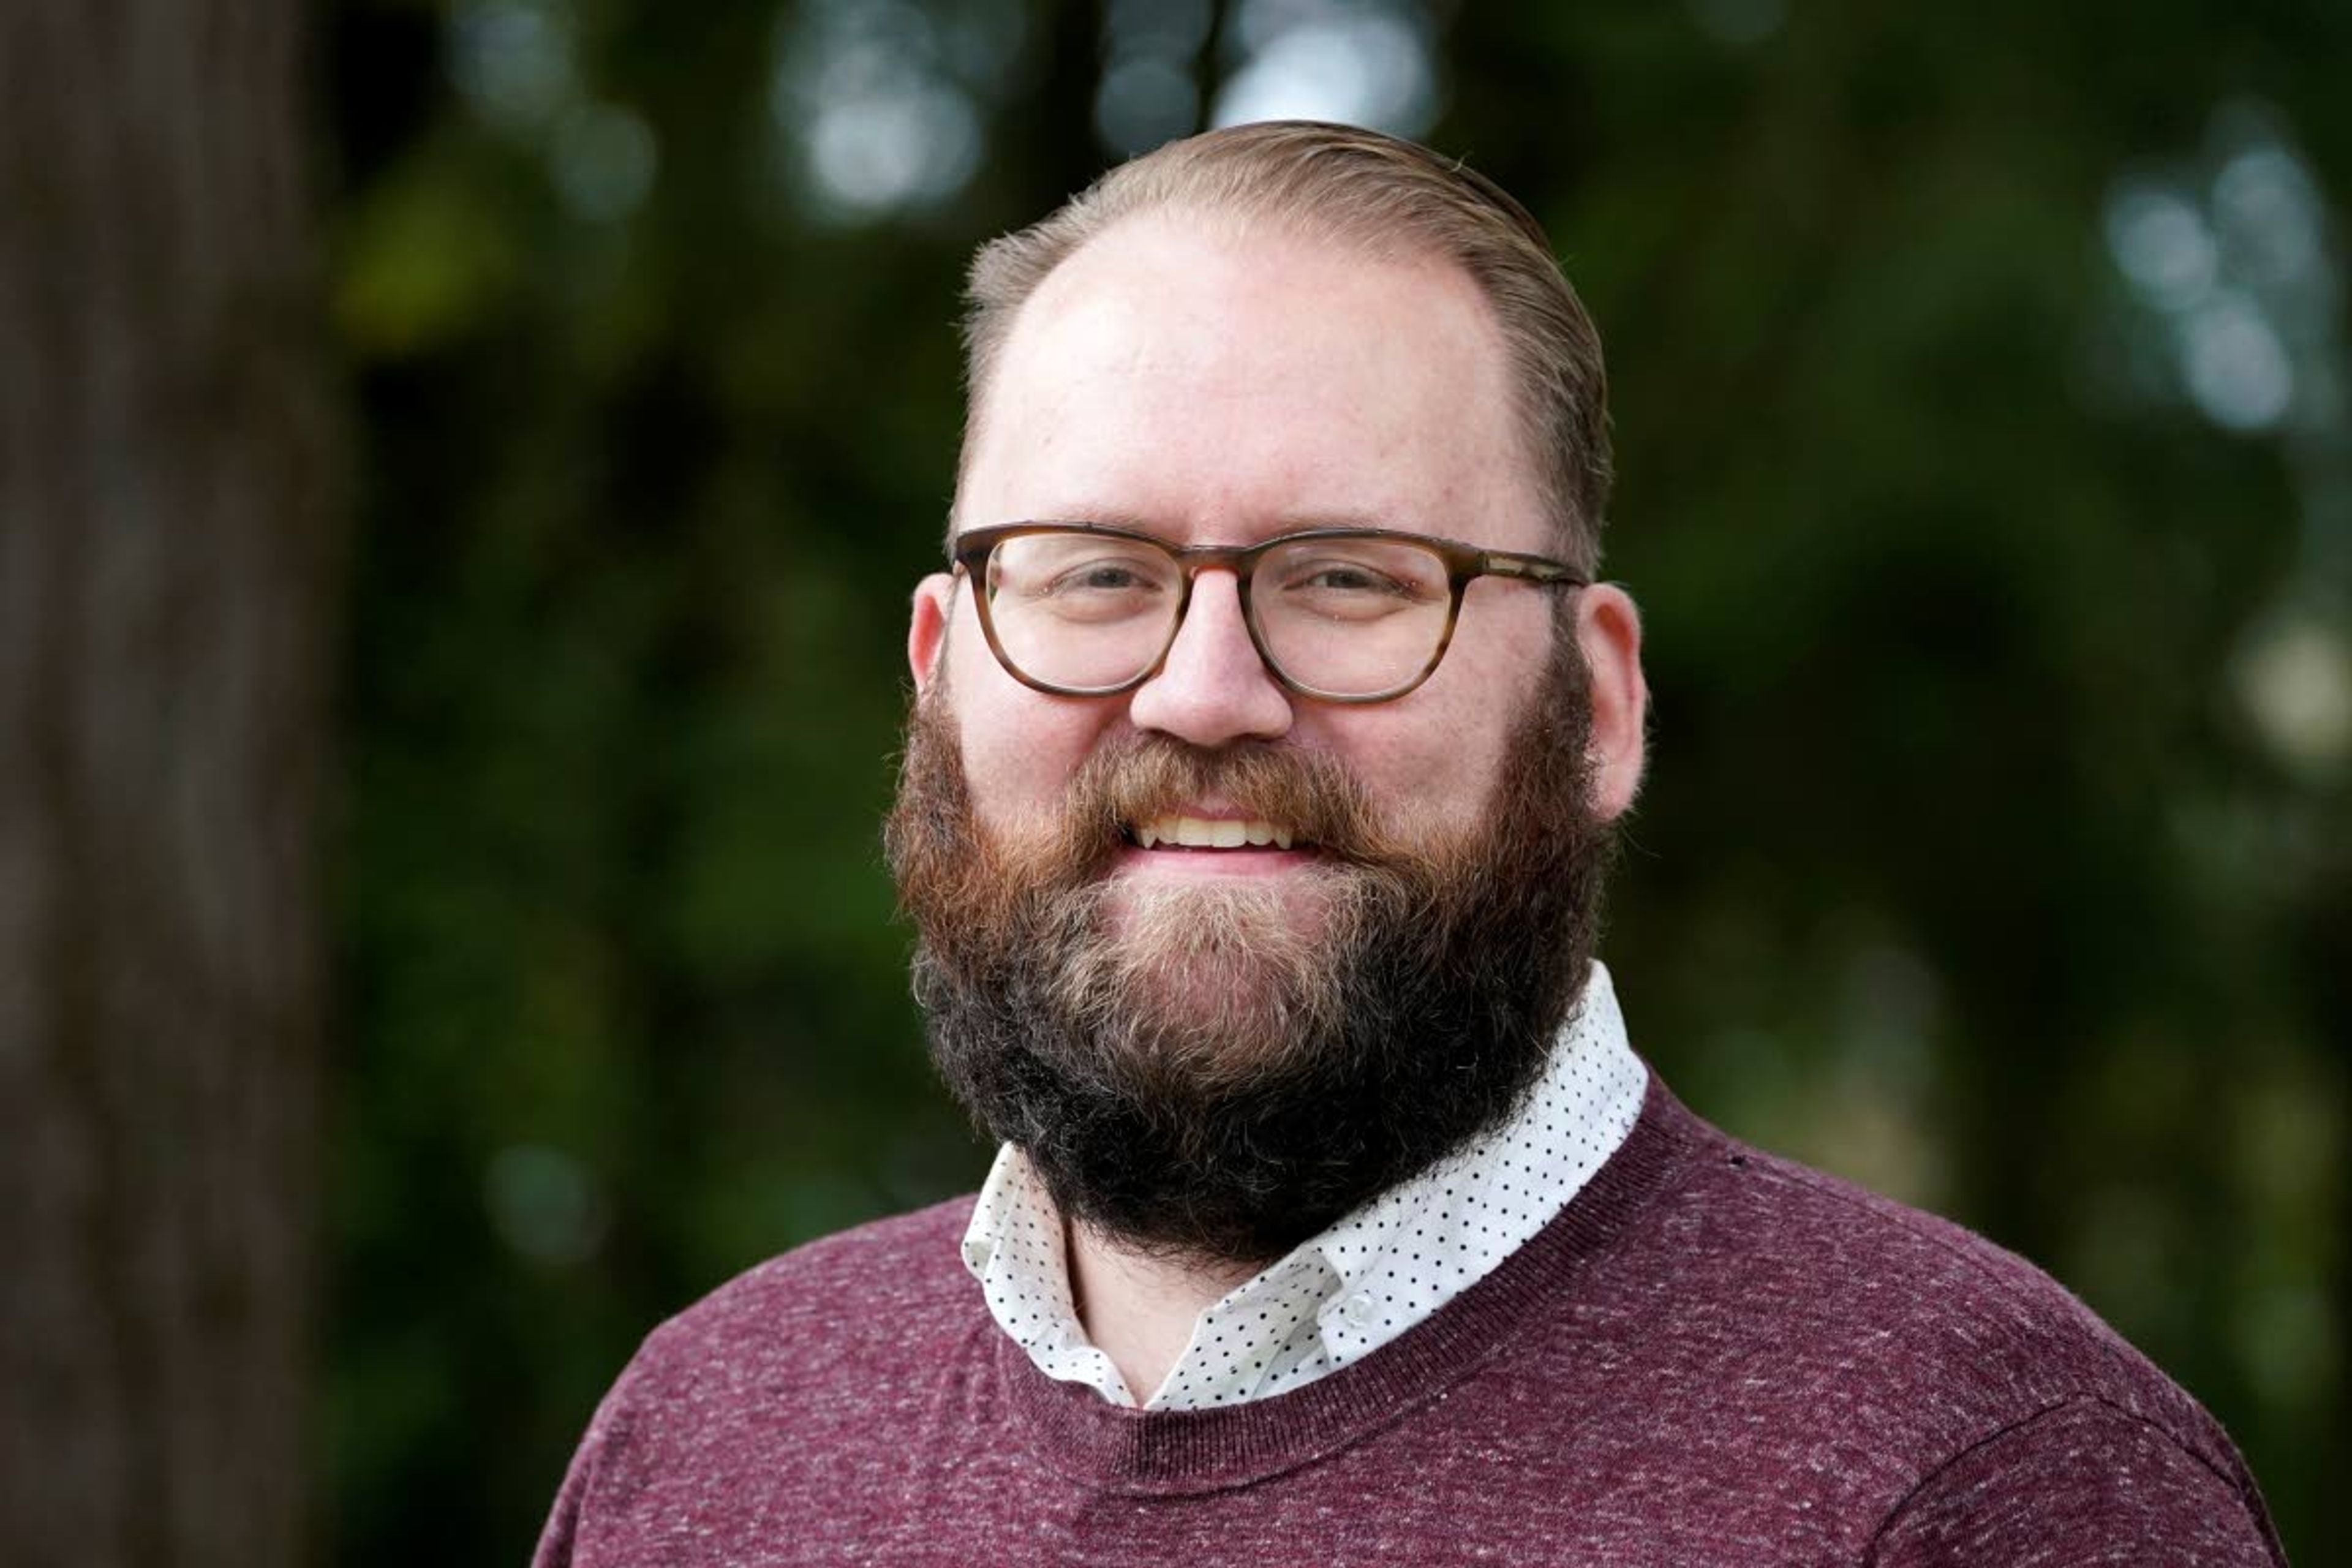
1609,631
927,634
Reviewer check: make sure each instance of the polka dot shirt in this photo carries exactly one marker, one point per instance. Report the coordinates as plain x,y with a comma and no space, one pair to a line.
1341,1295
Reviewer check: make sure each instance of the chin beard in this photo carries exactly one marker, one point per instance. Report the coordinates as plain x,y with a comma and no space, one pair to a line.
1218,1072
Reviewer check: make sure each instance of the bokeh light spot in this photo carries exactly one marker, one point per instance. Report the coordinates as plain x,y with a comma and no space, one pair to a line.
881,151
544,1204
2236,366
871,103
512,60
2295,678
2269,215
1355,65
602,159
2162,246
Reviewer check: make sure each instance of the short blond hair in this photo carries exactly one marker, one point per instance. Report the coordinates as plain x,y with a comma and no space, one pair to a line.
1378,194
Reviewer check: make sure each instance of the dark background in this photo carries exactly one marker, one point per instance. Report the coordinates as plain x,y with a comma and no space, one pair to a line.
1980,398
1981,386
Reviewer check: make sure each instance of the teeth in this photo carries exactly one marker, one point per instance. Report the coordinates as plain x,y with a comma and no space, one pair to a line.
1206,833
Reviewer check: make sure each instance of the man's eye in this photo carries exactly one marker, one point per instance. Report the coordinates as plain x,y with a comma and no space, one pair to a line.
1345,580
1350,579
1098,589
1105,576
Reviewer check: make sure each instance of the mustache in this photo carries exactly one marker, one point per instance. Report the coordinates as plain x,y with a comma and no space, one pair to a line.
1136,777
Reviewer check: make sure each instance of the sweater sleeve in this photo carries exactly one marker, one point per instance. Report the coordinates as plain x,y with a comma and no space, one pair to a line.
2080,1483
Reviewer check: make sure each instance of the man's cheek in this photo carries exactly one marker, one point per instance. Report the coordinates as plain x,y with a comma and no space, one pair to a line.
1020,768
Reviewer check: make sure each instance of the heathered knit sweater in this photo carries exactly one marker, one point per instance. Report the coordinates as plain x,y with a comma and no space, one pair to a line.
1711,1358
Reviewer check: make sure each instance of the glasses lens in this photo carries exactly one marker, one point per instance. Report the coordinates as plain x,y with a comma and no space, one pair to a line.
1082,611
1352,616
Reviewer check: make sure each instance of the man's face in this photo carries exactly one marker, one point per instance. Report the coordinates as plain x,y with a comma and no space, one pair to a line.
1176,1032
1216,390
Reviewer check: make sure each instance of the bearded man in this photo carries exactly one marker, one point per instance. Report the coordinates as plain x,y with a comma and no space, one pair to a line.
1270,727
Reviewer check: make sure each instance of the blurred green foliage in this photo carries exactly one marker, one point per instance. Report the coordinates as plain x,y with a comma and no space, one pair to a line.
1995,540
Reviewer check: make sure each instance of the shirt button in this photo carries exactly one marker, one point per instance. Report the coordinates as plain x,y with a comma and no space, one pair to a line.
1357,1311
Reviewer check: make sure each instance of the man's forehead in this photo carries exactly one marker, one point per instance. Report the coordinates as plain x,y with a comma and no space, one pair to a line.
1166,280
1167,361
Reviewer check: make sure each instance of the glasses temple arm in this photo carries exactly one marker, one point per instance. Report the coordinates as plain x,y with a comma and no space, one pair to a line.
1534,568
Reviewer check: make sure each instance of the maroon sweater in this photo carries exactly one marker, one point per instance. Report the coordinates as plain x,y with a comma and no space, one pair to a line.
1711,1357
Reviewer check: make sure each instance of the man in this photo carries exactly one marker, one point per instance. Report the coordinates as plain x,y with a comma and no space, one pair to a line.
1269,728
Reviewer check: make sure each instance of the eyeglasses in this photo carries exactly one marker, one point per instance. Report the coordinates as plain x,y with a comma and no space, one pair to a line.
1340,614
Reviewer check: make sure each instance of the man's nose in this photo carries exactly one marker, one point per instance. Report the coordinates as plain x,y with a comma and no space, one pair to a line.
1213,688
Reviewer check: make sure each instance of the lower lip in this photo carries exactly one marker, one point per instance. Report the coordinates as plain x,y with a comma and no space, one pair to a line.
1189,862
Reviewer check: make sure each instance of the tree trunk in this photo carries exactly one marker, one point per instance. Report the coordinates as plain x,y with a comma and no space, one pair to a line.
166,557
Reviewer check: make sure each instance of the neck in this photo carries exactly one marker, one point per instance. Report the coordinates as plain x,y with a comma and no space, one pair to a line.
1139,1310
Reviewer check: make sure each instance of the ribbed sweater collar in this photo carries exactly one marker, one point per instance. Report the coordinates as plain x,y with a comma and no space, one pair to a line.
1075,1432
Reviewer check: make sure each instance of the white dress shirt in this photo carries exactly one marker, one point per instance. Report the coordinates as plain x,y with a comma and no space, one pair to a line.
1339,1296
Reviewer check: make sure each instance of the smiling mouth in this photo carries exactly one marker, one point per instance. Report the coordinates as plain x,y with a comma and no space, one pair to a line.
1213,833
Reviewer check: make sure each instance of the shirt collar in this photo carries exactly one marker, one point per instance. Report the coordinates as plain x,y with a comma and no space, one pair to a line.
1438,1233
